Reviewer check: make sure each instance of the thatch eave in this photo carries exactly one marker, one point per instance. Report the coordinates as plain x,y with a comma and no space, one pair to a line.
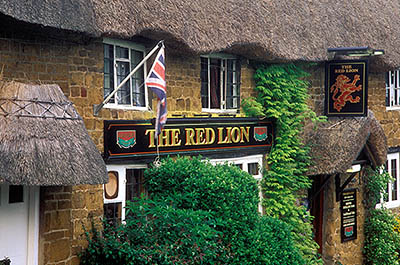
278,30
336,144
43,140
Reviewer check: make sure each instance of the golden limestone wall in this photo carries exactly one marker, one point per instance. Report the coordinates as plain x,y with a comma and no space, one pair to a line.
333,250
75,63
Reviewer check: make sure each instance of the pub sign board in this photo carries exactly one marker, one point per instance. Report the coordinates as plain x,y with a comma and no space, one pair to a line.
346,88
187,136
348,205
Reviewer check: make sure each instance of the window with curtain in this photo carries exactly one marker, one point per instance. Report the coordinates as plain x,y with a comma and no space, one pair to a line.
220,83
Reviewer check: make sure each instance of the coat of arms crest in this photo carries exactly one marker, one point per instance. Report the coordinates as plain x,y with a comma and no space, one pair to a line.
126,138
260,133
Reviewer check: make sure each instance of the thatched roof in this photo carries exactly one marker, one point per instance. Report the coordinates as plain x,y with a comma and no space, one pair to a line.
337,143
264,30
43,140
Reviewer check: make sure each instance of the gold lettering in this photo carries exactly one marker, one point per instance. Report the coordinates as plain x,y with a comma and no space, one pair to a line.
189,136
200,140
210,135
235,134
175,141
151,133
244,132
221,135
163,138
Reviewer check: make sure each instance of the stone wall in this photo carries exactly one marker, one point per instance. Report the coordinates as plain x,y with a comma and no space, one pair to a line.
76,65
64,214
334,250
75,62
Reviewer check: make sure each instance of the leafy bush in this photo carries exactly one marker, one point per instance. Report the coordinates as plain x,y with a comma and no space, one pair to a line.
156,233
382,241
282,95
198,214
229,194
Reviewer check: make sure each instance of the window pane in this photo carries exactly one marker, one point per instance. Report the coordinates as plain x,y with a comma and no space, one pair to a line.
134,183
108,70
16,194
215,83
253,169
387,186
112,213
122,53
204,82
394,176
138,88
232,89
239,166
124,96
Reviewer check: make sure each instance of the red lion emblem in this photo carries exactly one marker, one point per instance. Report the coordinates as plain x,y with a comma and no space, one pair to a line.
345,88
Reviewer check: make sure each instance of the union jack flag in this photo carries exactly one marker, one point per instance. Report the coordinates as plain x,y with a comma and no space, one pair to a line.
156,82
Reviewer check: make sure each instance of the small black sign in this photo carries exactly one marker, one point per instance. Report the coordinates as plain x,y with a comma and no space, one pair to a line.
189,136
348,206
346,88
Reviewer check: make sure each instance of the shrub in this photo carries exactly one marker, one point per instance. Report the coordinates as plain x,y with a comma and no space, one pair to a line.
198,214
381,241
156,233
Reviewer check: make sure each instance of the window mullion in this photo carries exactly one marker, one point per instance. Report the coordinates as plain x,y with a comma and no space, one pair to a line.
115,74
130,79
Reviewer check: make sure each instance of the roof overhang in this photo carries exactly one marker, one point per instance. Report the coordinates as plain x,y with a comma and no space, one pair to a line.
43,140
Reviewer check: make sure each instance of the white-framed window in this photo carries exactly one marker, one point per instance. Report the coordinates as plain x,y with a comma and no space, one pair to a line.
393,89
393,188
220,83
120,58
129,185
251,164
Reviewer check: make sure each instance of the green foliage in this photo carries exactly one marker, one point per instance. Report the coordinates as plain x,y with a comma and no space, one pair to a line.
382,242
376,185
198,214
231,195
157,233
282,94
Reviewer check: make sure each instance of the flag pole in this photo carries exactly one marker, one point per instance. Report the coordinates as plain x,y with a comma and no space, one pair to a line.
97,108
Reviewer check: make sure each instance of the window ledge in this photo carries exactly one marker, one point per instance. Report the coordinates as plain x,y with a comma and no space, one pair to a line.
221,111
391,204
393,108
126,107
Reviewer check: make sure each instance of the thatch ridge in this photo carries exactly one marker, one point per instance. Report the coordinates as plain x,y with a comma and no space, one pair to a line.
43,140
276,30
337,143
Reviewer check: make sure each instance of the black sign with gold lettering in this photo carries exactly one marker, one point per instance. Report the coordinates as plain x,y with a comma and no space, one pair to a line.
346,88
206,136
348,205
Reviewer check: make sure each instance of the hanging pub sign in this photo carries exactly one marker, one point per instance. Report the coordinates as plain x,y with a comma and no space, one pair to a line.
346,88
348,206
192,136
